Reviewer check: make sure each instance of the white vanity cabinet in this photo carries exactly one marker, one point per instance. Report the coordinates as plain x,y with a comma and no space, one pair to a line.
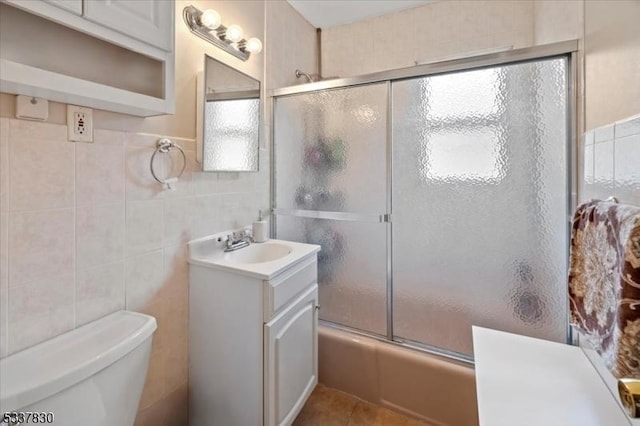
290,359
253,335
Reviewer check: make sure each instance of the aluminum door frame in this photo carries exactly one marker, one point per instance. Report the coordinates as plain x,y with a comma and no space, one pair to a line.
568,49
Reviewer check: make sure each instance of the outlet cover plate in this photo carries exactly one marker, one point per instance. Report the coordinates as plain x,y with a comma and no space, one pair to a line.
79,124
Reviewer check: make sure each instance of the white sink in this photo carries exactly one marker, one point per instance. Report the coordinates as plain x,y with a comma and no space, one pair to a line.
258,253
260,260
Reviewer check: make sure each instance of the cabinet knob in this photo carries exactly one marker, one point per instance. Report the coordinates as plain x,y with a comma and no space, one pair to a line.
317,307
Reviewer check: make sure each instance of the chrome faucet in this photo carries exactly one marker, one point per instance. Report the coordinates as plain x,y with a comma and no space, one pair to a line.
238,240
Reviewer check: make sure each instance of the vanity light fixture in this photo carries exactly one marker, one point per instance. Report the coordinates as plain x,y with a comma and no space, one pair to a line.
208,25
234,33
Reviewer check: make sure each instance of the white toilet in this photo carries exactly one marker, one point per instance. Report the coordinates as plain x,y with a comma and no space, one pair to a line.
90,376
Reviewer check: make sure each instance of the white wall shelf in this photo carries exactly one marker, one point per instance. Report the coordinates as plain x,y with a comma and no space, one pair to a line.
25,79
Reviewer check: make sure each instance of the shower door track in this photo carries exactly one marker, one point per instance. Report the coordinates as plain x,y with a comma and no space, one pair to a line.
567,48
404,343
469,63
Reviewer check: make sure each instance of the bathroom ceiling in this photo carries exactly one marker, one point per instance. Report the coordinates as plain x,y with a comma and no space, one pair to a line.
329,13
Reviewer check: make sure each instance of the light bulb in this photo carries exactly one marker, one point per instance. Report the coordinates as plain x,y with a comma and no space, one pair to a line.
210,19
254,45
234,33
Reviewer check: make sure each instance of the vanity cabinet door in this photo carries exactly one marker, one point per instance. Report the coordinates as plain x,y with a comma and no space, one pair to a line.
150,21
291,359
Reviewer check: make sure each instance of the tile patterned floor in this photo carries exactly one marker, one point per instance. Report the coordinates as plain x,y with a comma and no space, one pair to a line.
331,407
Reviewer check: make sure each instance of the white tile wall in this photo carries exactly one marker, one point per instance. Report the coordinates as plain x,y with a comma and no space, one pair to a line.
41,308
99,291
603,166
4,251
179,215
4,164
21,129
85,231
41,244
611,48
41,173
100,235
612,162
105,236
558,20
4,320
145,223
427,33
445,29
100,176
144,278
290,44
626,156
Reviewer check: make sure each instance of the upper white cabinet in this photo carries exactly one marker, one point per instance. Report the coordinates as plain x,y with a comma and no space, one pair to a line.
114,55
74,6
148,20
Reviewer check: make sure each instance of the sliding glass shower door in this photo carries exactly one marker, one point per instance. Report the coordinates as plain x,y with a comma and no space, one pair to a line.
440,201
480,195
331,189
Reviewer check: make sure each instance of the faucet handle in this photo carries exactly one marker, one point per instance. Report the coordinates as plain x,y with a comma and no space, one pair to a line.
220,240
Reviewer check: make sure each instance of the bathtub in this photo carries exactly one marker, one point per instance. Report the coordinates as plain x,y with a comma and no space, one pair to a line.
412,382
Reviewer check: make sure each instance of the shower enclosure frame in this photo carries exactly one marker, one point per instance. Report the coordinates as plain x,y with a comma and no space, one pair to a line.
568,49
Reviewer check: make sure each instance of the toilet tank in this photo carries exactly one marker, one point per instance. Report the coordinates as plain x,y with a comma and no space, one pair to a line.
92,375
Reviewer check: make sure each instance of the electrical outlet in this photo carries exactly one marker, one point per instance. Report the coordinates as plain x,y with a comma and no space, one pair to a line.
79,124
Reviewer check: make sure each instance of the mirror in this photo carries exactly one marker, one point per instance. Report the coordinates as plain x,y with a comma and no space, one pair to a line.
228,119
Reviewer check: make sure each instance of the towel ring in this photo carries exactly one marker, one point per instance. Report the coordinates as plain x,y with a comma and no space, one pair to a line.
164,146
612,200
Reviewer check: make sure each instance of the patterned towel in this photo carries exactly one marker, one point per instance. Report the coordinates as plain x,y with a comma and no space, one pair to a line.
604,282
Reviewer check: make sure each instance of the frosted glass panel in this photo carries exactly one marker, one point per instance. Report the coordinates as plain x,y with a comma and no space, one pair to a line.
480,204
231,135
351,268
330,156
330,150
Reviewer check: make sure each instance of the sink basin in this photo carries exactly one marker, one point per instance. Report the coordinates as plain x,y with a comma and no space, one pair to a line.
258,260
258,253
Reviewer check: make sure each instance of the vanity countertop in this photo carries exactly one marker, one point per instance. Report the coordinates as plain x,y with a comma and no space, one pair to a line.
532,382
280,255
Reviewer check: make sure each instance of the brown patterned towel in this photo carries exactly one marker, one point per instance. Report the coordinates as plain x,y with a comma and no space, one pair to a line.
604,282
